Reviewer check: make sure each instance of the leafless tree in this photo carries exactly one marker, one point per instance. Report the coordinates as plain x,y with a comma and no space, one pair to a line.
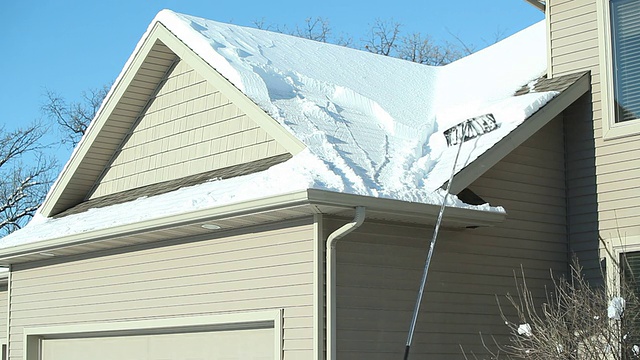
22,187
317,29
74,118
383,37
578,320
425,51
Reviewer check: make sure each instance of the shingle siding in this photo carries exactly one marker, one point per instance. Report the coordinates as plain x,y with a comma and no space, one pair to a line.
188,128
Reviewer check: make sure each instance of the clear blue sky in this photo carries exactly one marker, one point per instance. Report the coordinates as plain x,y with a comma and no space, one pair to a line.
68,46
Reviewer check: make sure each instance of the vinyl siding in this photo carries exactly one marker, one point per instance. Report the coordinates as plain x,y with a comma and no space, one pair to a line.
380,265
603,175
268,267
188,128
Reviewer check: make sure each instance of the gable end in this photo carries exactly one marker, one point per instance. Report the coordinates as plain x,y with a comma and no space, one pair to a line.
152,127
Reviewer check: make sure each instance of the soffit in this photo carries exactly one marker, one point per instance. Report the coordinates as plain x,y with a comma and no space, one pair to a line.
251,213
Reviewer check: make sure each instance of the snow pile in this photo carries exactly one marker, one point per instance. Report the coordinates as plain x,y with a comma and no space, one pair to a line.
373,125
525,329
616,308
375,121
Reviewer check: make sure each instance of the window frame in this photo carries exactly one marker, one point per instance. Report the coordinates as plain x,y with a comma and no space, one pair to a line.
610,128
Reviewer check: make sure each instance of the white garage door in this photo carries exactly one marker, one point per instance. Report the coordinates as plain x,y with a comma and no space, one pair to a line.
249,344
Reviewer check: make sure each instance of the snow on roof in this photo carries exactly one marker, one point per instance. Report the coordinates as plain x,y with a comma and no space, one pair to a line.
373,125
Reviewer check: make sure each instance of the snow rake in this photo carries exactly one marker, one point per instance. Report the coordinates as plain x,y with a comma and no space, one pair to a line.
470,129
456,135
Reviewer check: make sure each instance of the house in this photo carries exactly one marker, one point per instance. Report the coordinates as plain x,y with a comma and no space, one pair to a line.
192,220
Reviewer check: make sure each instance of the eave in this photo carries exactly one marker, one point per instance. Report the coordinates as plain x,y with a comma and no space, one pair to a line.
578,87
240,215
538,4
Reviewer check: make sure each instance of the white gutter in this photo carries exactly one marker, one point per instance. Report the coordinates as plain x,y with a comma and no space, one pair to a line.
331,278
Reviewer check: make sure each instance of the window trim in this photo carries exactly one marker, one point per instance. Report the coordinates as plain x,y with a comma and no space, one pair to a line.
610,129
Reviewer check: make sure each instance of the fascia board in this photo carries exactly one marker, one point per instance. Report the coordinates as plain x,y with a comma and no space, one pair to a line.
398,207
221,212
537,4
518,136
110,102
253,111
309,197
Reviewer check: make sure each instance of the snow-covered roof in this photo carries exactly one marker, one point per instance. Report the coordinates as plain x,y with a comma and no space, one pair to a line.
372,125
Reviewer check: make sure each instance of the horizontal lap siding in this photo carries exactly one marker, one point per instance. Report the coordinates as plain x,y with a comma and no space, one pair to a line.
190,127
603,176
265,268
380,265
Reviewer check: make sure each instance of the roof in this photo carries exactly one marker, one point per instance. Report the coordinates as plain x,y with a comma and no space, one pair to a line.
358,123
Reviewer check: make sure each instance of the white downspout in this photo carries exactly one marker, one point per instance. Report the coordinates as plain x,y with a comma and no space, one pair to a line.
331,278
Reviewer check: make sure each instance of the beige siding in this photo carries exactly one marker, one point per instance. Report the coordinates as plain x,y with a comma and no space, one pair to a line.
188,128
380,265
261,268
603,175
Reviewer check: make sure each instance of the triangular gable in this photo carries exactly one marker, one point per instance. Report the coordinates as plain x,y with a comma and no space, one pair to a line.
139,136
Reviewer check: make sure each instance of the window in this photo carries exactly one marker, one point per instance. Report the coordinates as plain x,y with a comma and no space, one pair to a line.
620,67
625,44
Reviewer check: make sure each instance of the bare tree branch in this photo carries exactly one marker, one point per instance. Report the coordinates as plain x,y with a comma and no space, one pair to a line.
317,29
424,50
383,37
576,320
74,118
467,49
22,188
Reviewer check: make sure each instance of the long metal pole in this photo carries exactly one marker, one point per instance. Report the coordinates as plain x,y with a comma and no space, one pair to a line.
425,272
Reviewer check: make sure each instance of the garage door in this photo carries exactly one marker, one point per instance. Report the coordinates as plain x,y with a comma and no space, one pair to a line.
254,344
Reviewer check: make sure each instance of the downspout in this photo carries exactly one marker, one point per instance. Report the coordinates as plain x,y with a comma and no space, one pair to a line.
331,278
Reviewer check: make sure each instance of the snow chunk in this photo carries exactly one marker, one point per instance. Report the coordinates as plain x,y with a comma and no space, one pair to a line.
616,308
525,329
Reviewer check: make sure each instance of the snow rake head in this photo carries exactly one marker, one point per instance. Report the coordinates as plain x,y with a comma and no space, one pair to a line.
470,129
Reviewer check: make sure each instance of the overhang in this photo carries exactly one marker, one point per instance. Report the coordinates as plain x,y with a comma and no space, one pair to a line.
255,212
570,87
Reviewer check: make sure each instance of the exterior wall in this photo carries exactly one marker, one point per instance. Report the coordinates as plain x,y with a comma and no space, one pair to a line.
260,268
380,265
188,128
604,183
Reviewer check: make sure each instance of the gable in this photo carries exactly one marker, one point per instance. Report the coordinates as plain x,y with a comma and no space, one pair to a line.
189,127
168,115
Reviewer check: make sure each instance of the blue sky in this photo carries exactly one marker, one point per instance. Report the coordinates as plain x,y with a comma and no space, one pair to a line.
68,46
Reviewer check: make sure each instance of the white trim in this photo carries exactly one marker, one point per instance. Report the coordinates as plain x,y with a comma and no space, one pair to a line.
626,244
318,287
8,309
610,129
259,319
